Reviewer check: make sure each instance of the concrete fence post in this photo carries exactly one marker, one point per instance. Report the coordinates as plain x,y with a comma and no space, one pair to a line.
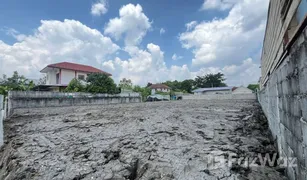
5,109
9,106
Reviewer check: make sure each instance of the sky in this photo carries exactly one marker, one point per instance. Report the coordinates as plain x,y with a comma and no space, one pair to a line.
145,41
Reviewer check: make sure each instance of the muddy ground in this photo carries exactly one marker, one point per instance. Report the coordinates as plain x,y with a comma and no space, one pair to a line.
161,140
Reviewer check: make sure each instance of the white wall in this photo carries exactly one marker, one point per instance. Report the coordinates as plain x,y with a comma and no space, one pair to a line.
67,76
220,96
81,73
51,76
213,92
217,92
162,90
153,91
242,90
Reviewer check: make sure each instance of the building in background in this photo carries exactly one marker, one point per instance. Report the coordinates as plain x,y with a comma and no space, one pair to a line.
59,75
283,83
241,90
214,90
159,88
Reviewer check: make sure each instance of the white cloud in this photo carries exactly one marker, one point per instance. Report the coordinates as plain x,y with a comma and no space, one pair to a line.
52,42
218,4
99,8
175,57
191,25
162,31
222,43
225,41
236,75
149,66
132,23
143,66
14,33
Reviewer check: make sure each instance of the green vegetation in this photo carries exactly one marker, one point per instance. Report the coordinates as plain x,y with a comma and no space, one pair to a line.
144,91
210,80
15,83
163,93
253,87
186,86
101,83
125,84
75,85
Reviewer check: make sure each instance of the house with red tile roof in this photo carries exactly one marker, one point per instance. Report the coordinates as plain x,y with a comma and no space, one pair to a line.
160,88
60,74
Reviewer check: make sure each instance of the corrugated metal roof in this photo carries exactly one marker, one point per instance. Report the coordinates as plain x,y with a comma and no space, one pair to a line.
212,89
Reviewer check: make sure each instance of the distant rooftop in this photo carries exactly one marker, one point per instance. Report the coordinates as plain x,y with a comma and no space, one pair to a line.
212,89
75,67
159,86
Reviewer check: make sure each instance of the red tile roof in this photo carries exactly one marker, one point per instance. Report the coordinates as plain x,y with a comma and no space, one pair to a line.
159,86
77,67
234,88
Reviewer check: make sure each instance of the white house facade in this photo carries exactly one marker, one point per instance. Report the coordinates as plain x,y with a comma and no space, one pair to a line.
159,88
60,74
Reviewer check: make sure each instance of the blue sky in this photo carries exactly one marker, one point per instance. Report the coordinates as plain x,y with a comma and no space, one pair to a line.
146,41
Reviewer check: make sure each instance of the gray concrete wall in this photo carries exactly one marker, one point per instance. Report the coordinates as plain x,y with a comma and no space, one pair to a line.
284,101
1,119
220,96
36,99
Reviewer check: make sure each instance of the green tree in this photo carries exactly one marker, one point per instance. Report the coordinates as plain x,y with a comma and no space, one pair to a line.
101,83
144,91
174,85
253,87
187,85
125,84
75,85
210,80
15,83
149,84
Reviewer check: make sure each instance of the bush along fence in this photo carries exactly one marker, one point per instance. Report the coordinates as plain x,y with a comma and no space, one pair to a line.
36,99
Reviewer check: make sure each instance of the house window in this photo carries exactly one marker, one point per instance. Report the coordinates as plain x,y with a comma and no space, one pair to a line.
81,77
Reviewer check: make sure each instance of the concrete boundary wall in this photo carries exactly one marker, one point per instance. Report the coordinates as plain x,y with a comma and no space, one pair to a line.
1,119
220,96
36,99
284,102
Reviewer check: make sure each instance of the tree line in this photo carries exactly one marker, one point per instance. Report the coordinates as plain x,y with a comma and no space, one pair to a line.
101,83
95,83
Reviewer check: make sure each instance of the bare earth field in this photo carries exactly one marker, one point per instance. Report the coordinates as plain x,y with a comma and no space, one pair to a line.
161,140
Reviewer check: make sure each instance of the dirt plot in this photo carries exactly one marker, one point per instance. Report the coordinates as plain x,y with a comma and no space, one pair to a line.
161,140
